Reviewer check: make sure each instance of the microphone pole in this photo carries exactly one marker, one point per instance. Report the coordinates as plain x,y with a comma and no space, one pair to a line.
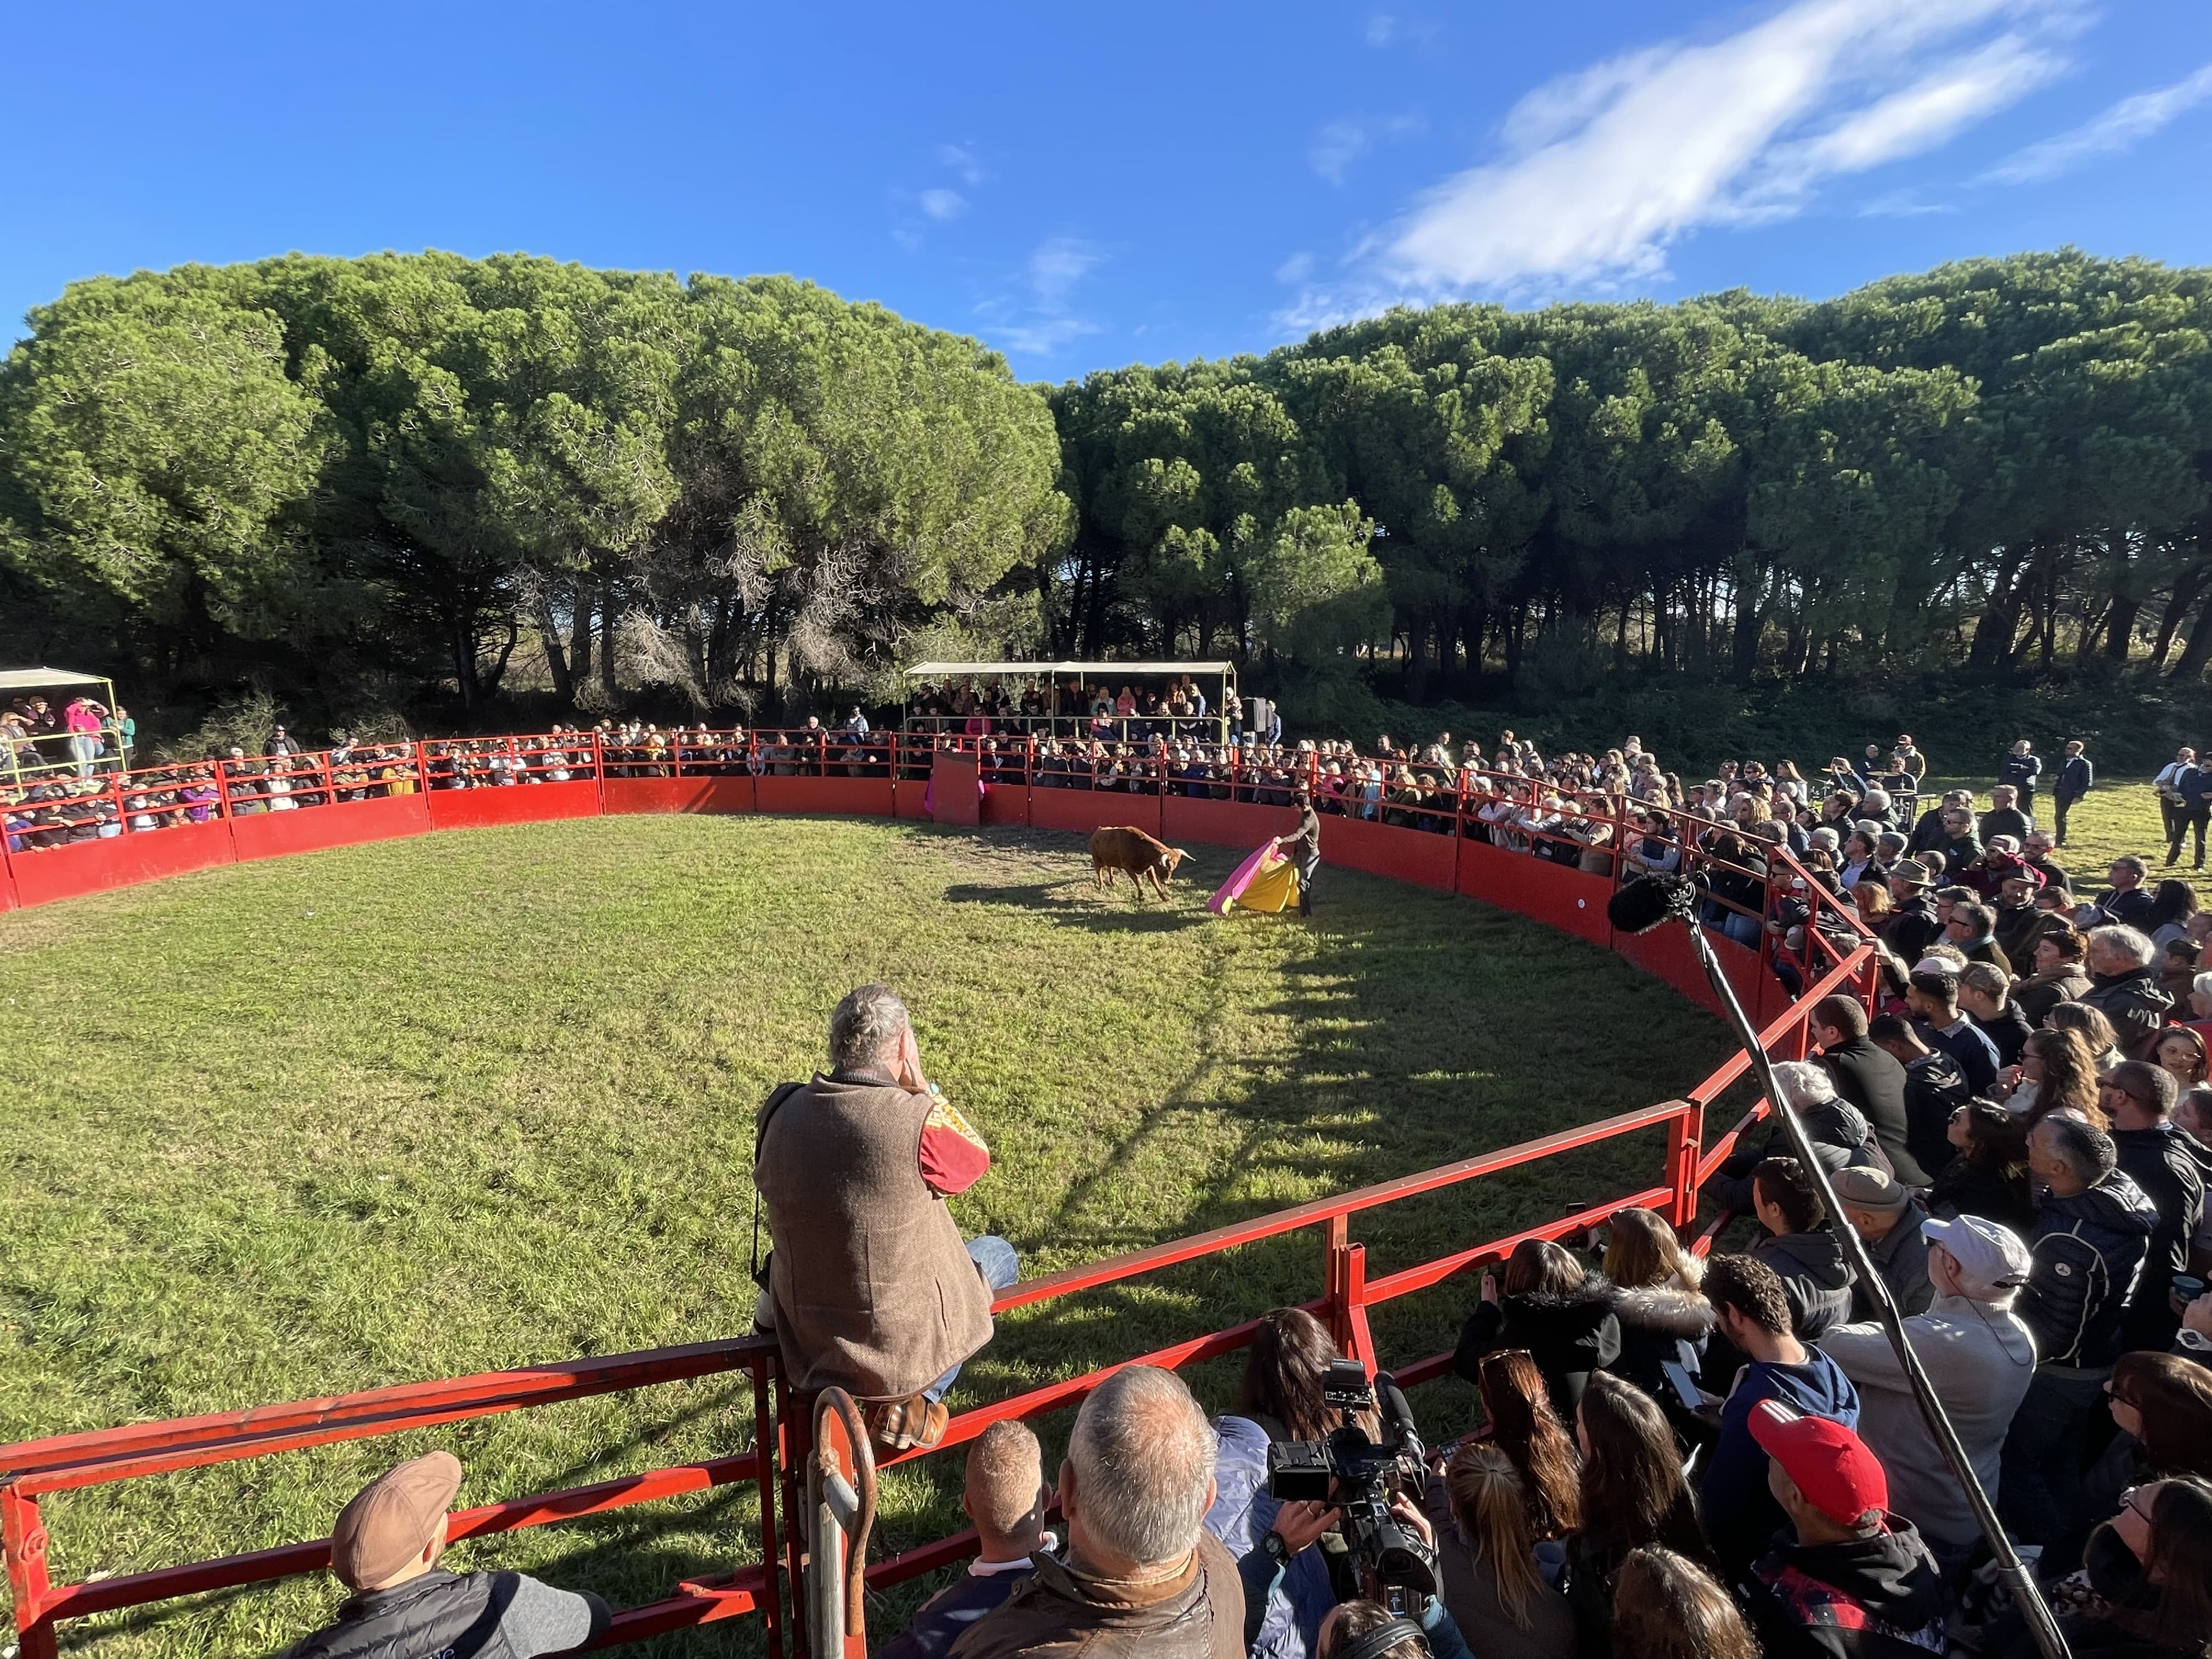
2021,1582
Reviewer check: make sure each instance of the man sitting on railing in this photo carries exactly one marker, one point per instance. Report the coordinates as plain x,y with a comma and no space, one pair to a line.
872,1288
1141,1577
384,1549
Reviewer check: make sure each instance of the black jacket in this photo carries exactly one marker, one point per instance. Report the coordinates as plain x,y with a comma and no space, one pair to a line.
1568,1336
1965,1187
1911,928
2085,1252
445,1614
1934,1087
2076,777
1816,1276
2159,1160
1871,1598
1871,1080
2135,1002
2009,1030
1657,1324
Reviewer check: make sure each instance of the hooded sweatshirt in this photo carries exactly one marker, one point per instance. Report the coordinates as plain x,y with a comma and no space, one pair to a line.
2087,1250
1816,1276
1980,1359
1740,1512
1869,1598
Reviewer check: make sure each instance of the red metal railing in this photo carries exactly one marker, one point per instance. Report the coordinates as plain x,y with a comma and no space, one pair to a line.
33,1470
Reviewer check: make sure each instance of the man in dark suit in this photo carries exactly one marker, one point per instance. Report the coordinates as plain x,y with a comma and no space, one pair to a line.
1868,1077
2076,778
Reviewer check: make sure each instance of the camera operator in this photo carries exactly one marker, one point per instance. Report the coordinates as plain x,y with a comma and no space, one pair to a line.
871,1287
1287,1592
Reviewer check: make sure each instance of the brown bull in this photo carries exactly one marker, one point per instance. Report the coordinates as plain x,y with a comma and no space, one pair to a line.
1125,848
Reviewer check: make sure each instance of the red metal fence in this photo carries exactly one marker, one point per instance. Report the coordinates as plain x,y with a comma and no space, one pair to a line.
418,787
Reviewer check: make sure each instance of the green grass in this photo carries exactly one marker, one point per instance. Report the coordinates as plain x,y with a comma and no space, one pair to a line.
430,1107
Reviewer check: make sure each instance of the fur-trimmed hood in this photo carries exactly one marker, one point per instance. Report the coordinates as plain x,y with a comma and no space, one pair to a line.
1669,1310
1596,1290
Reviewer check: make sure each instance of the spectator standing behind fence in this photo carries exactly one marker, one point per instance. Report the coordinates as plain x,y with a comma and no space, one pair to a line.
2092,1229
1849,1577
1754,1315
2123,984
2154,1154
1869,1078
1634,1496
386,1548
871,1287
1141,1579
1004,1493
1562,1315
1887,1217
1800,1246
1979,1359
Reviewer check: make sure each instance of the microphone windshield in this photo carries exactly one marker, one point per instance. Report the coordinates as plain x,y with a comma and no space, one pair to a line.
1640,906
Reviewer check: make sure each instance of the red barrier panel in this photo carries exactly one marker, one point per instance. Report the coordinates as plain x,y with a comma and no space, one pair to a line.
93,866
527,803
632,795
1557,895
852,798
1380,849
1224,822
1004,804
954,791
312,829
1085,810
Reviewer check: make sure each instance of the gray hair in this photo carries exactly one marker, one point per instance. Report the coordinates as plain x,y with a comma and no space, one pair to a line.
1804,1084
1143,1459
868,1021
2086,1151
2201,984
2125,942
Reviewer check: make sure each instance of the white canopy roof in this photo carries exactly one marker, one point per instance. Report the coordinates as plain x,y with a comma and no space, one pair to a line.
45,679
930,670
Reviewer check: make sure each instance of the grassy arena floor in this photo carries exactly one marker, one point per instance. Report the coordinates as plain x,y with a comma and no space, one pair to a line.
434,1106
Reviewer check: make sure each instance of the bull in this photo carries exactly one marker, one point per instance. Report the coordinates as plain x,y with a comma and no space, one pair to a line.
1126,848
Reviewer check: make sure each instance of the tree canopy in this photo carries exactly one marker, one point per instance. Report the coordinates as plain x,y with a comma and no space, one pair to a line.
401,475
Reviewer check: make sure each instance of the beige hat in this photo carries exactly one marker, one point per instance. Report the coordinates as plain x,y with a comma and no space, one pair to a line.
1869,1189
391,1518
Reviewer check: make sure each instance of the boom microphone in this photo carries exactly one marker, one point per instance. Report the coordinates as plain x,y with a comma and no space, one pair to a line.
1640,906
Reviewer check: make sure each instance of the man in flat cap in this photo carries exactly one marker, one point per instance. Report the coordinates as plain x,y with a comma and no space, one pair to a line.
384,1549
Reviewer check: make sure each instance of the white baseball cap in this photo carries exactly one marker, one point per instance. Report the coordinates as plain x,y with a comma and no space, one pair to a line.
1992,1261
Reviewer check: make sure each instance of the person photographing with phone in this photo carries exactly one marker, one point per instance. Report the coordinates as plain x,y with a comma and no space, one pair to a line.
870,1285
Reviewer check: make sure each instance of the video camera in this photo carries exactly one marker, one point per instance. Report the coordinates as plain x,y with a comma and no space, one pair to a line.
1395,1568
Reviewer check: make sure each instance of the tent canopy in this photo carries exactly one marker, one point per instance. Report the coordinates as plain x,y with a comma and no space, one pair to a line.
1104,670
45,679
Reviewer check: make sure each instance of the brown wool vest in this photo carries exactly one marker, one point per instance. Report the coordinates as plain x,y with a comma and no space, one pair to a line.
874,1289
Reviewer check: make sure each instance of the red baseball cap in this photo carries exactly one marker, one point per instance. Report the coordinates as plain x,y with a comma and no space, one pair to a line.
1830,1465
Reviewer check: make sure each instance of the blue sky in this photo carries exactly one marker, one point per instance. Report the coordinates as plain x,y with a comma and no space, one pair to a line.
1088,186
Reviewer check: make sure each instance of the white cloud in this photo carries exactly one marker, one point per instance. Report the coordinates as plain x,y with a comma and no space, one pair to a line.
963,159
2122,127
1607,167
1033,319
1339,144
943,203
1907,204
1057,265
1296,269
1381,29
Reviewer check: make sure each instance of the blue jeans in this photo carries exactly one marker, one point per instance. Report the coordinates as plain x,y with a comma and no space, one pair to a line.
2040,1482
995,1260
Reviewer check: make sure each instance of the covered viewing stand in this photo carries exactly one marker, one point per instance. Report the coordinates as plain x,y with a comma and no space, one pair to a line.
47,753
1061,699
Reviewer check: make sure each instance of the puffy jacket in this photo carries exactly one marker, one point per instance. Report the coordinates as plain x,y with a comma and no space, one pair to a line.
2135,1002
2087,1251
1568,1336
1241,1515
467,1615
1658,1323
1816,1276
